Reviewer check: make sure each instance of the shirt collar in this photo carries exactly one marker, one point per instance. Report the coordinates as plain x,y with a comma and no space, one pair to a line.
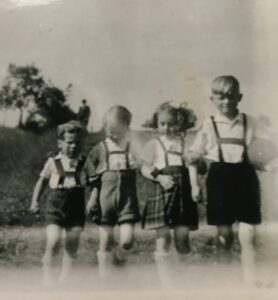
124,142
219,118
169,142
61,156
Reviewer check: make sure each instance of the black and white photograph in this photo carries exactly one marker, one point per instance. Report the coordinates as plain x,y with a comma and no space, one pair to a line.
138,149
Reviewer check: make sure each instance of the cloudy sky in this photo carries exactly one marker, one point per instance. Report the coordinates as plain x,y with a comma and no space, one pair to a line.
141,52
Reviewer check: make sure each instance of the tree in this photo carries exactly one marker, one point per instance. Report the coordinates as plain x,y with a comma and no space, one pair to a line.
25,89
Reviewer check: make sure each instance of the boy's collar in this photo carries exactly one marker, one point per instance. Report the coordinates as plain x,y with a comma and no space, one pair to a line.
220,118
164,139
61,156
125,140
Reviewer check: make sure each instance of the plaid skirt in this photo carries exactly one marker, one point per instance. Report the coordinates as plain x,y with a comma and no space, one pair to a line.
172,207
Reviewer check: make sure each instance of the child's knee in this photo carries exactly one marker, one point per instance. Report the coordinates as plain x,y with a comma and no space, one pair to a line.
127,245
72,247
224,241
182,248
225,236
247,234
72,241
53,248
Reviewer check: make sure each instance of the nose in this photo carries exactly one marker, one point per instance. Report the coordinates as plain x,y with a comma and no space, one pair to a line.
226,100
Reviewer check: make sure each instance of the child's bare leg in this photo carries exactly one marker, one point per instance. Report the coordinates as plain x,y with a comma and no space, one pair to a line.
126,241
53,238
247,234
224,242
70,251
163,243
104,253
181,237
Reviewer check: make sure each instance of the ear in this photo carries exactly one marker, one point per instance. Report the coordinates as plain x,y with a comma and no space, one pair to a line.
239,97
59,144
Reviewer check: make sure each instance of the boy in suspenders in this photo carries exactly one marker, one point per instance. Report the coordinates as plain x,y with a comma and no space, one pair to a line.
65,207
111,167
233,193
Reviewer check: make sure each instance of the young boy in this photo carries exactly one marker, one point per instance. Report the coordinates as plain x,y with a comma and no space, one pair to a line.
113,162
65,208
232,185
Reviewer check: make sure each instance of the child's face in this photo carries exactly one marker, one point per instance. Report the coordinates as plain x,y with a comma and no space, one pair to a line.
71,145
167,124
116,131
226,103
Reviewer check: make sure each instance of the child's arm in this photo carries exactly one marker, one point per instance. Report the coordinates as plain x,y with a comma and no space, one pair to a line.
195,188
166,181
38,191
93,200
149,171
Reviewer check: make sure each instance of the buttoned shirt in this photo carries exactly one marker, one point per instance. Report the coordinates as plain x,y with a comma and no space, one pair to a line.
50,171
206,142
153,154
99,160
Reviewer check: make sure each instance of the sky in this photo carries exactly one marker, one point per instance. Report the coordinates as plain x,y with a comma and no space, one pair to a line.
139,53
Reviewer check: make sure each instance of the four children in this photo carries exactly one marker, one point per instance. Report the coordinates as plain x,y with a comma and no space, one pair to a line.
110,169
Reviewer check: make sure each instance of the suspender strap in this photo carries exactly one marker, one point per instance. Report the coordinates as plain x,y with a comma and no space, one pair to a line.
165,152
233,141
127,155
106,155
182,151
60,170
79,168
220,153
245,153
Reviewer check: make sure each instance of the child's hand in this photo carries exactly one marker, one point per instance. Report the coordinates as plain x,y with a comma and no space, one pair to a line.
272,165
166,181
196,193
191,157
34,208
89,207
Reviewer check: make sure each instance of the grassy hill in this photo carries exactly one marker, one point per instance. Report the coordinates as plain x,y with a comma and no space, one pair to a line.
22,156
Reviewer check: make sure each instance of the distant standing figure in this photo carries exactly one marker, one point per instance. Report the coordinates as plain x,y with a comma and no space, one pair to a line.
84,113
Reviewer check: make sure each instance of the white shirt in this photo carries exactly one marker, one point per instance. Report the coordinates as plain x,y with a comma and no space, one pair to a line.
50,171
154,155
206,142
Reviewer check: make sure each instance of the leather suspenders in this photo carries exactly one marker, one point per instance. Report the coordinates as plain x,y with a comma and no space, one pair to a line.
234,141
167,152
117,152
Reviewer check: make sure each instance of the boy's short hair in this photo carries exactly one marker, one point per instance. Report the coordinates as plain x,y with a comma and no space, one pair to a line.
225,84
185,117
118,113
74,127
